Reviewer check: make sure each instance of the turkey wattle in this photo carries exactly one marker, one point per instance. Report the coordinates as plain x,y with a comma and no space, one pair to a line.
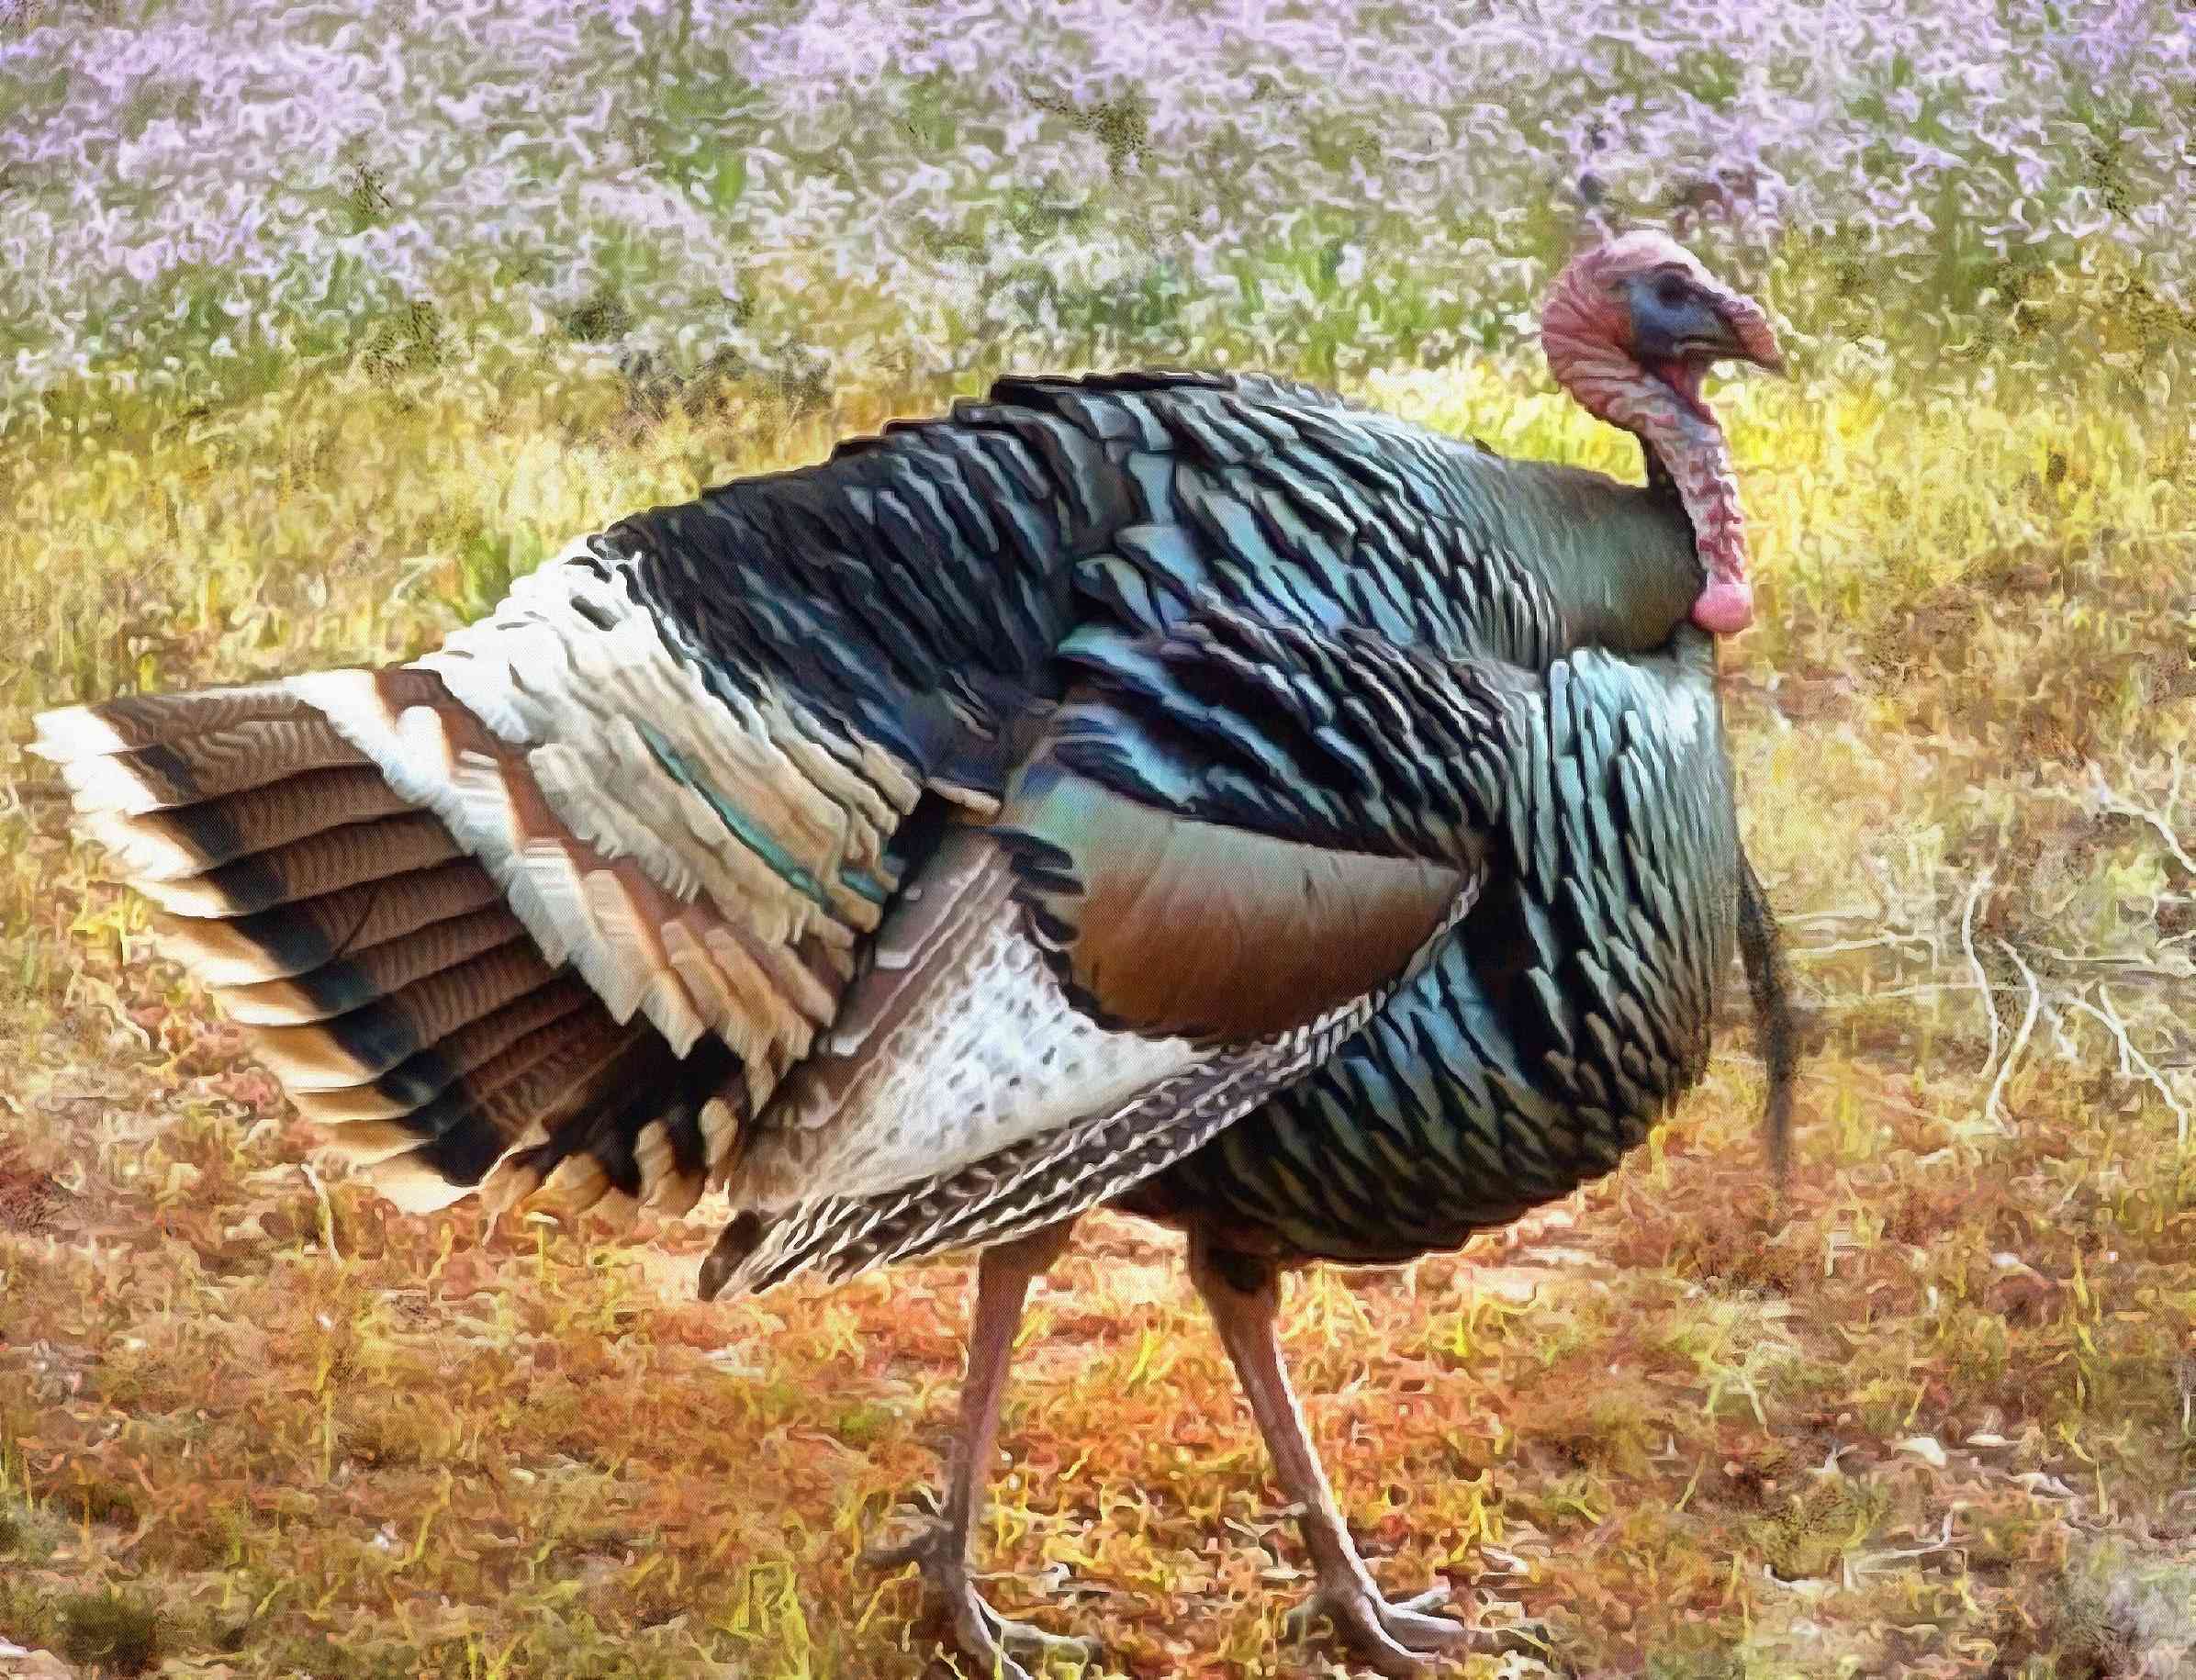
1189,792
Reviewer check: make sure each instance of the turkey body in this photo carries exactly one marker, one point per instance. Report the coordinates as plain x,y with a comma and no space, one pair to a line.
1572,1008
1569,1014
569,899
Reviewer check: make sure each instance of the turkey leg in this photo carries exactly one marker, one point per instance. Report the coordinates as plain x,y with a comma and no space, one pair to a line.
1243,1294
943,1547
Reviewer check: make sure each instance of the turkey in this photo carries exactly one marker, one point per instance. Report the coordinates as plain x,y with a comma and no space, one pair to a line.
1190,792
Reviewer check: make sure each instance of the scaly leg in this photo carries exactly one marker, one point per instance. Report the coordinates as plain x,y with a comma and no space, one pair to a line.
942,1546
1243,1294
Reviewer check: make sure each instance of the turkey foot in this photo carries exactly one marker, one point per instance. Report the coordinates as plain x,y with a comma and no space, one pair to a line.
1387,1634
939,1545
992,1640
1243,1294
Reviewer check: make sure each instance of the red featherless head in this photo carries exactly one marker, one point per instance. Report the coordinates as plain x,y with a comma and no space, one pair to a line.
1631,328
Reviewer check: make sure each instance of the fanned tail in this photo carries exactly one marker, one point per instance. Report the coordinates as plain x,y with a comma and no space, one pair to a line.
380,972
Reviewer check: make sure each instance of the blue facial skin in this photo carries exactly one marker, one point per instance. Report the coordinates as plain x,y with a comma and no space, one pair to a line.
1672,321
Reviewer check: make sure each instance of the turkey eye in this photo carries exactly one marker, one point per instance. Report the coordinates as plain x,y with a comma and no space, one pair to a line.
1670,292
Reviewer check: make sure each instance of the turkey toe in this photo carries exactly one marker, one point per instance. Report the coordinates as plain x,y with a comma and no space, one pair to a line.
990,1640
1395,1636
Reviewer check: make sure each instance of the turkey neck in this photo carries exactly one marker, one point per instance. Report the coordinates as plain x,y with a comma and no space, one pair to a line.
1685,450
1620,563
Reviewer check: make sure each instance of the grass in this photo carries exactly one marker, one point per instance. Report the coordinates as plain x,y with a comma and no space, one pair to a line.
1935,1420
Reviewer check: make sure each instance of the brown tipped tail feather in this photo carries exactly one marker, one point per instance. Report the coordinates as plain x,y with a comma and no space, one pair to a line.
382,973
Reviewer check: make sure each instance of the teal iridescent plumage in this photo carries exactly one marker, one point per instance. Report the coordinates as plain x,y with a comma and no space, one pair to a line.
1540,1046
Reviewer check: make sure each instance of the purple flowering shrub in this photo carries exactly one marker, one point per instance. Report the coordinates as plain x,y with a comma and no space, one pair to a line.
860,196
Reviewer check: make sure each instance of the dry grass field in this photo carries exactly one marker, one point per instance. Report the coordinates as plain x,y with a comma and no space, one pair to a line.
1936,1416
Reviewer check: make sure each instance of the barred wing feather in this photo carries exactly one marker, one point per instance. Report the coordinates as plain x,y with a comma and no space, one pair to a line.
1193,932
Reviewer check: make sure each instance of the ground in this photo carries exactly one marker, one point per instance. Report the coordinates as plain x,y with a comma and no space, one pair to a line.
1931,1414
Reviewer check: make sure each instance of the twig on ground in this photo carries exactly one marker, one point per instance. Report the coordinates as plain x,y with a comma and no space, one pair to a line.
327,1211
2109,803
1982,979
1993,1107
2134,1064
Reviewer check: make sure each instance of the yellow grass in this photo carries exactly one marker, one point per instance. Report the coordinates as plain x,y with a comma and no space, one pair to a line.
1936,1421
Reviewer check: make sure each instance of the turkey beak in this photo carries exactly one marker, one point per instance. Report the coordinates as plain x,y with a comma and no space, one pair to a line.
1747,336
1727,326
1770,360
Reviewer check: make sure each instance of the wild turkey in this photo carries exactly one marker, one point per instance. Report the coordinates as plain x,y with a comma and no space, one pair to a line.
935,843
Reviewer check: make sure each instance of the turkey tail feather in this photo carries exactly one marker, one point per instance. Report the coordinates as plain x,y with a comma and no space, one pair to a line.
517,940
372,961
